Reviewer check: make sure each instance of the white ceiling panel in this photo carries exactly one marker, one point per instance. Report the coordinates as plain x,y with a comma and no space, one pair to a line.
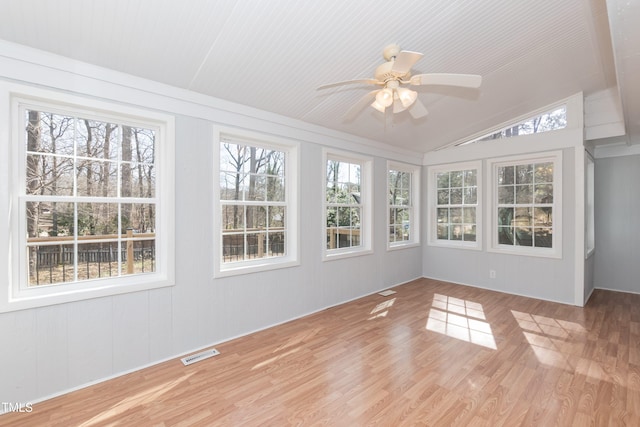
273,54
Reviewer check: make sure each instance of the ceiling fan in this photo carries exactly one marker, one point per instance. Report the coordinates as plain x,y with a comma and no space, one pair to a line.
394,75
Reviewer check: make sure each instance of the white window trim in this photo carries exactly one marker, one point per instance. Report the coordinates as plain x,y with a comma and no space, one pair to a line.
432,201
366,193
14,294
491,210
414,222
291,150
589,225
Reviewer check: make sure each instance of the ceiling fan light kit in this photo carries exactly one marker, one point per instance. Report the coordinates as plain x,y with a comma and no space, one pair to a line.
397,72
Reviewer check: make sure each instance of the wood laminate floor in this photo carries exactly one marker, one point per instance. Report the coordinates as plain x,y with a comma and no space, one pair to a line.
433,354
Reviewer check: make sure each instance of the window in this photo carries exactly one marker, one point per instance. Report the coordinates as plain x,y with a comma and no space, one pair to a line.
257,218
347,205
402,201
545,122
92,199
526,217
454,210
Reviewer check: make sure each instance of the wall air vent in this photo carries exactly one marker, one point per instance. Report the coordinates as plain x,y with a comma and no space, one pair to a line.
188,360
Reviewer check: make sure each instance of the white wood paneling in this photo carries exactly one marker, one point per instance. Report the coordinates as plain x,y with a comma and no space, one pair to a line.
52,348
130,316
90,340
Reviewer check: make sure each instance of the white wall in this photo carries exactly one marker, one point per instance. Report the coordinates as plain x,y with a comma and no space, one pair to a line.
551,279
617,220
51,350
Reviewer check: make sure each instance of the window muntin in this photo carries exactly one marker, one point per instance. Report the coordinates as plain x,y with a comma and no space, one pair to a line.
457,205
253,202
402,202
525,205
89,198
343,204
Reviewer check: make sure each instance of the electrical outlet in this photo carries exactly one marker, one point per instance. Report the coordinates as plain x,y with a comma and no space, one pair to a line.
492,274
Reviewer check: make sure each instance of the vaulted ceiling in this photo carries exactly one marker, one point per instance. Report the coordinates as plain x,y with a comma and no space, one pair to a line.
273,54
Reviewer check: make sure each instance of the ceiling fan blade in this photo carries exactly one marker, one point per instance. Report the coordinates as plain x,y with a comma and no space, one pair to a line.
418,110
348,82
446,79
404,61
360,105
398,107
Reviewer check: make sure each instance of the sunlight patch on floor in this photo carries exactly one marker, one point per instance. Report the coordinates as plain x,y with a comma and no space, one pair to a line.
382,309
144,397
552,340
460,319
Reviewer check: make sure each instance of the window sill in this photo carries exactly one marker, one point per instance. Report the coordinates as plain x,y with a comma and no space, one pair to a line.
331,256
399,246
57,294
241,269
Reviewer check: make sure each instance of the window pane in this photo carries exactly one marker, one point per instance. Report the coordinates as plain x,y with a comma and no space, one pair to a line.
275,189
506,195
469,233
470,195
233,158
257,188
232,186
523,217
457,178
456,232
443,197
544,172
470,178
276,217
232,246
456,215
276,244
469,215
505,175
255,217
543,237
96,178
140,217
524,174
544,193
50,133
49,175
443,215
232,217
543,216
505,216
524,236
443,231
50,264
443,180
99,219
456,196
524,194
50,219
505,235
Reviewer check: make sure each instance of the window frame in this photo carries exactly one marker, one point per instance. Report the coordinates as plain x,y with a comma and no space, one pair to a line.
492,209
432,197
18,294
291,204
366,204
413,207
